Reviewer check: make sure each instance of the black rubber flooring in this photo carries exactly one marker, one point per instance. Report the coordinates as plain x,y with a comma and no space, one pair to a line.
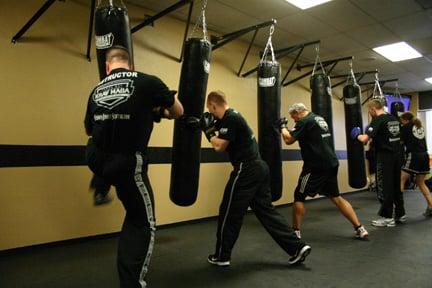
394,257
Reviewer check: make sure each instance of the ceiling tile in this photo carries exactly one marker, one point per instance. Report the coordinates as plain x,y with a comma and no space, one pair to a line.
342,15
420,67
413,26
373,35
306,25
341,43
387,9
254,8
424,45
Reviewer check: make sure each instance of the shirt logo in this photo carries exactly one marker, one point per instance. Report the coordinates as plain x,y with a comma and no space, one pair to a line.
393,128
104,41
419,133
266,82
223,131
322,123
112,94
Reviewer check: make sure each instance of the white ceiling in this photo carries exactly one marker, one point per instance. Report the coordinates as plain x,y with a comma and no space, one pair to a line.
345,28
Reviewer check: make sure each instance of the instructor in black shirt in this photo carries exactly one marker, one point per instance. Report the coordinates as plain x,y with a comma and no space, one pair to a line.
248,185
119,119
384,129
320,168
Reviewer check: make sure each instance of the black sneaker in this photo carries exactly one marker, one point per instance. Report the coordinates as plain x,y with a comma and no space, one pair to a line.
300,255
101,199
212,259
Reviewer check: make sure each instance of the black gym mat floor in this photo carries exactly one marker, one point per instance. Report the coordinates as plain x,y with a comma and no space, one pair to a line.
394,257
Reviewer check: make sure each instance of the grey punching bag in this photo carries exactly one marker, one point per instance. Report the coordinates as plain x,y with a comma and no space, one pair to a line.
111,28
186,149
269,140
355,149
397,108
321,100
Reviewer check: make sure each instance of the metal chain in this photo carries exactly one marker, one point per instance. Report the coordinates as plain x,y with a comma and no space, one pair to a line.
351,76
377,85
269,44
317,59
201,19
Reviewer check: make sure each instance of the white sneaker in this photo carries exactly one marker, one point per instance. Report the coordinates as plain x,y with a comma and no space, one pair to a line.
384,222
401,219
361,233
297,232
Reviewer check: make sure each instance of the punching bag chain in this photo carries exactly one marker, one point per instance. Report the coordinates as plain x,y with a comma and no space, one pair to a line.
377,87
317,59
268,46
202,20
351,75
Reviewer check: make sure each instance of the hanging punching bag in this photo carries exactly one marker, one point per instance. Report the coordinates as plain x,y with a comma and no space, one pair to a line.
321,100
186,149
269,140
397,108
355,149
111,28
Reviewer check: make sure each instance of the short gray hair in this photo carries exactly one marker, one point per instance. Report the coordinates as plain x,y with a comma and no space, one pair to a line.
297,107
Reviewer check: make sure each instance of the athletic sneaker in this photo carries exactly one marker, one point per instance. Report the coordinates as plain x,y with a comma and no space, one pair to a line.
300,255
428,212
384,222
298,234
212,259
101,199
401,219
361,233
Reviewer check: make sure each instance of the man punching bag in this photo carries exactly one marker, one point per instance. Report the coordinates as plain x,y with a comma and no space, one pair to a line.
269,105
321,99
186,149
111,29
355,149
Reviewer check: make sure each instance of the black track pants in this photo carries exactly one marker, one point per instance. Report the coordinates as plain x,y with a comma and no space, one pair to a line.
248,185
388,177
128,173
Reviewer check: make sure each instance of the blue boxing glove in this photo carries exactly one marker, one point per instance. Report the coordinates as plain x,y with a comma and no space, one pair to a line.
355,132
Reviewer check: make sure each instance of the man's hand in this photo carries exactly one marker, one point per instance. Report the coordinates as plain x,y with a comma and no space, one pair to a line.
281,124
207,125
355,132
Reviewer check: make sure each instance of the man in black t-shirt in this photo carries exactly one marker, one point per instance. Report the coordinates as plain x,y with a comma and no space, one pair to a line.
385,132
320,168
119,120
248,185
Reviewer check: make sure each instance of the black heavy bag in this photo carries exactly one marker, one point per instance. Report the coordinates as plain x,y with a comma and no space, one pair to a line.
355,149
269,140
397,108
111,28
321,100
186,149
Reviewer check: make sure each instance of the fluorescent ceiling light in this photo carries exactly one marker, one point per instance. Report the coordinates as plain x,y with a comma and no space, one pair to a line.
305,4
429,80
397,51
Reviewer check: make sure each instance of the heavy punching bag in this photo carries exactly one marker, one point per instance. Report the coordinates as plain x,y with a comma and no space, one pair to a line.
397,108
321,100
111,28
355,149
269,140
186,149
